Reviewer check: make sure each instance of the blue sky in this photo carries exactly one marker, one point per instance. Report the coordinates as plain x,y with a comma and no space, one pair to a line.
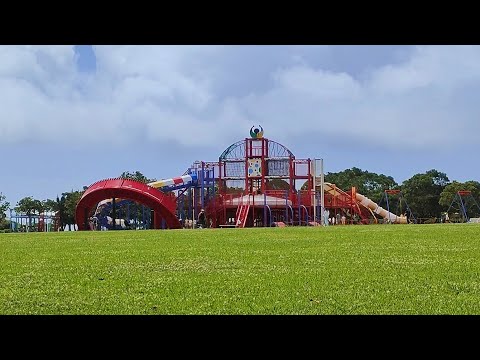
72,115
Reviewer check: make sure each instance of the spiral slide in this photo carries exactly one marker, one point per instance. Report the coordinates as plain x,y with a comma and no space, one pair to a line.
163,205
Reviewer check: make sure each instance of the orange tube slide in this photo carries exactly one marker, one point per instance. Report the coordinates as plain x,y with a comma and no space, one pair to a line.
394,219
365,201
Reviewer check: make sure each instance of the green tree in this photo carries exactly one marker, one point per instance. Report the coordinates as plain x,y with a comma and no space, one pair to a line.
137,175
422,193
62,211
58,207
278,184
69,203
366,183
4,224
29,206
4,206
50,205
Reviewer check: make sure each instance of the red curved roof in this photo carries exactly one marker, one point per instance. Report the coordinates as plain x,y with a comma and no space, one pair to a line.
163,205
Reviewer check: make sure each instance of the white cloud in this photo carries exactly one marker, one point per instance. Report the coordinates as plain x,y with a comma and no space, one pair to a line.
320,84
168,93
129,67
442,67
409,104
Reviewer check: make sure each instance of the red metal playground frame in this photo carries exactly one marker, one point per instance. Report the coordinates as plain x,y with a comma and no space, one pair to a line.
255,182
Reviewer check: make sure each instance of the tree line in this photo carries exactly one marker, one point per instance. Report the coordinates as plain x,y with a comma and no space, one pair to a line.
428,194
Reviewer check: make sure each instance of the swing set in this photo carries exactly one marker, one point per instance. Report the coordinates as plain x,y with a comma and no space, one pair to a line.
463,203
402,208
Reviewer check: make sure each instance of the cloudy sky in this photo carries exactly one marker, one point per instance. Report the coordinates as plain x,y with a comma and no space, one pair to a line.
72,115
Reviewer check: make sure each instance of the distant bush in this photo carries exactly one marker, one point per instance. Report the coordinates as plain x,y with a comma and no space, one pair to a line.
4,224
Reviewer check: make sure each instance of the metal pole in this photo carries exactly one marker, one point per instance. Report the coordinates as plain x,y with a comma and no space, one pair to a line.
264,209
194,205
202,182
114,215
464,211
299,210
388,208
286,206
314,168
322,198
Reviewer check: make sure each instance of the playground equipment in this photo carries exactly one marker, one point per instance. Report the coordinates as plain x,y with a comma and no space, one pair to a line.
43,222
129,215
101,219
255,182
163,205
402,208
463,203
359,204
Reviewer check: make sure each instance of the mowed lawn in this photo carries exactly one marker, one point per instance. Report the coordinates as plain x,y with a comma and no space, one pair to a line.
364,269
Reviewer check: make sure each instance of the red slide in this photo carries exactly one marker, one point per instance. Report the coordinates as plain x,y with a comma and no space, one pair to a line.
163,205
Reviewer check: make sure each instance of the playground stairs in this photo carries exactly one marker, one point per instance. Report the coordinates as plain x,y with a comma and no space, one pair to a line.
242,213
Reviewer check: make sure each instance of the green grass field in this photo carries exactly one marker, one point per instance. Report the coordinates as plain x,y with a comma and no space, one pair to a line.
375,269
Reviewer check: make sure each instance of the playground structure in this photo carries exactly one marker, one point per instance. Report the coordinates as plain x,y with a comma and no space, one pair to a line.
256,182
127,213
43,222
402,208
462,204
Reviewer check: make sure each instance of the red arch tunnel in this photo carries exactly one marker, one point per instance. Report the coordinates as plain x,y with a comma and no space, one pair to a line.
163,205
